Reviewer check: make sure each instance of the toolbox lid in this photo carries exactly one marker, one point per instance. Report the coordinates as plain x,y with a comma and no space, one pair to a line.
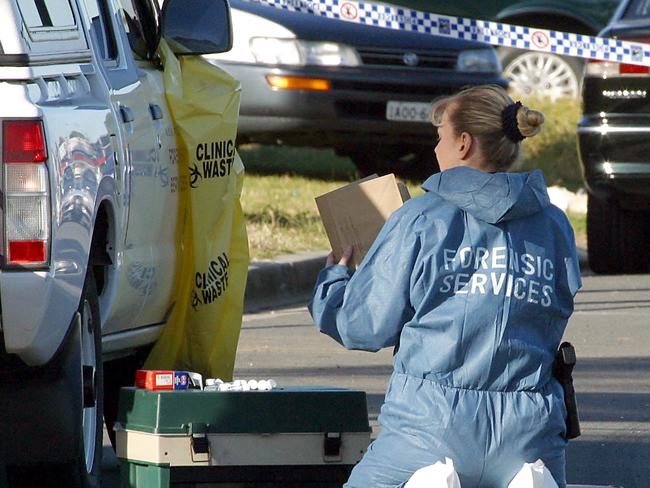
295,409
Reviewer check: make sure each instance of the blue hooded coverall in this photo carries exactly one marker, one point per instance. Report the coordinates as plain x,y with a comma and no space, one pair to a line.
473,282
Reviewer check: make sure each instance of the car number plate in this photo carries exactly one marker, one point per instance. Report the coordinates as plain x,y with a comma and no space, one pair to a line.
408,111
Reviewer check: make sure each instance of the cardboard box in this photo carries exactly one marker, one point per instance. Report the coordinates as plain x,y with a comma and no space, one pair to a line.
354,214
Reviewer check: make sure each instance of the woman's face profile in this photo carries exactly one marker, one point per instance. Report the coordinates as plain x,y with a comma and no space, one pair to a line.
446,149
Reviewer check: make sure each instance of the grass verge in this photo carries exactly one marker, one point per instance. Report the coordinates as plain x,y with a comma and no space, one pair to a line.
281,213
554,150
579,223
282,217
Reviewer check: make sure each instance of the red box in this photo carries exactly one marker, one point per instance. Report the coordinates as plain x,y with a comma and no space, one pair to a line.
154,380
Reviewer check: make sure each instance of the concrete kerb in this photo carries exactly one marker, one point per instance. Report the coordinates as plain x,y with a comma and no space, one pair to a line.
289,280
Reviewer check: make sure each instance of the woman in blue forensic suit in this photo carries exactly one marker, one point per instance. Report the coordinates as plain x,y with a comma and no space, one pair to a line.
473,283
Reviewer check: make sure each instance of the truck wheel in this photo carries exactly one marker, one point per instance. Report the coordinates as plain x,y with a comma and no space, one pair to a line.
616,238
409,162
421,165
87,466
542,74
73,405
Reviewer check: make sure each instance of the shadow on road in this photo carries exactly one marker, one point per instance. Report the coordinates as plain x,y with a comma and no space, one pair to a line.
613,389
614,407
596,462
614,403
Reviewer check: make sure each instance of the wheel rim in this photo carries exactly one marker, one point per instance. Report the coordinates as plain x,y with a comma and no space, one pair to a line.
89,368
542,74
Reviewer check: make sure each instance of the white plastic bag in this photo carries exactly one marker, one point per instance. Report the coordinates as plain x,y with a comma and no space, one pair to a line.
533,475
438,475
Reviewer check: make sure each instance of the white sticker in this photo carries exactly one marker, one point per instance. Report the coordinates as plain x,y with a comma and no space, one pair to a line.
164,379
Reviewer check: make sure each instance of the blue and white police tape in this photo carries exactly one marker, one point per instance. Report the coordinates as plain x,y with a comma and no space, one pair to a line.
496,33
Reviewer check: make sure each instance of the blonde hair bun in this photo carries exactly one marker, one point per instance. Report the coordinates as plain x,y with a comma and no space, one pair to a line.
529,121
489,114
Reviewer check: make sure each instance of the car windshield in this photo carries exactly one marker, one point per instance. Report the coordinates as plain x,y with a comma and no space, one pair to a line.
637,9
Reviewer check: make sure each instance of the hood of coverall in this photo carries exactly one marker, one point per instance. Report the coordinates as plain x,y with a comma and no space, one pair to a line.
491,197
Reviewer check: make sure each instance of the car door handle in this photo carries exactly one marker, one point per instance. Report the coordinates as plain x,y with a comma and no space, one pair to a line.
127,114
155,111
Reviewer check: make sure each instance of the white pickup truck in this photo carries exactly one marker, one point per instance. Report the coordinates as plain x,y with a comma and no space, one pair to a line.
89,201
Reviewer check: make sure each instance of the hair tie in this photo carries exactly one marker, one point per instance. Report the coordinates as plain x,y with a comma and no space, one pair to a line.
509,122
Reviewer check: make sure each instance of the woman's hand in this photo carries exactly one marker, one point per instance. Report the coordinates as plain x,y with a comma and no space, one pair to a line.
345,259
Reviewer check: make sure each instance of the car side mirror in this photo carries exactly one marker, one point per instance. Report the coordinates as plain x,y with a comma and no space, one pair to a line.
197,26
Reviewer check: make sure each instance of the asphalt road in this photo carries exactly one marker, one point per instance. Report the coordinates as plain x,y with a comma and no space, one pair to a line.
610,329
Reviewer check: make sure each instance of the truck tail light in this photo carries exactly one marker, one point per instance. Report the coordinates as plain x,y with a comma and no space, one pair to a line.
26,191
609,69
23,142
632,69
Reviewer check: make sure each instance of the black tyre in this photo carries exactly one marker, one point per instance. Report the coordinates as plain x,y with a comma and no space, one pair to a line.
409,162
543,74
73,408
422,164
616,238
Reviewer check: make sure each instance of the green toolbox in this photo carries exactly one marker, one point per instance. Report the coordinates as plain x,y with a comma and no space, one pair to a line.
286,437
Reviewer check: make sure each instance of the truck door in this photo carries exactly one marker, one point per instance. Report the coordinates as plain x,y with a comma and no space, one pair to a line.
140,134
154,200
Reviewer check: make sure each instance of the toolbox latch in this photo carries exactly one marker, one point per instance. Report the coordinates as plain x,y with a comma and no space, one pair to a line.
200,448
332,447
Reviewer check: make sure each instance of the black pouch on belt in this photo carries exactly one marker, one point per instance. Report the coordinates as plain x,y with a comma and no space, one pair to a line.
565,360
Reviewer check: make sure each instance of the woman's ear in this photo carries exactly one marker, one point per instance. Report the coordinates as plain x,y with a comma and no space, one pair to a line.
465,145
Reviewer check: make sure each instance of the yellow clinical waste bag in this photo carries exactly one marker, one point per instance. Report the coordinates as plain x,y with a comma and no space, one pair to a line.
202,332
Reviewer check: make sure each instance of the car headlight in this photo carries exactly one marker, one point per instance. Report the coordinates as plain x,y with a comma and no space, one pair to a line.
271,50
479,61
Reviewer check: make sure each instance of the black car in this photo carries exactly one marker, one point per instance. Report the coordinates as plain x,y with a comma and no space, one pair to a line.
362,90
614,147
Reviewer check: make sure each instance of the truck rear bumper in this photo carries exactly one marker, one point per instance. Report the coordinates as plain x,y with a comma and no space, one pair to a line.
37,309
